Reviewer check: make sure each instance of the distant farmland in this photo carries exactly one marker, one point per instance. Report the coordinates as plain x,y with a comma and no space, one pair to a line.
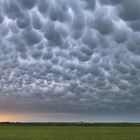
64,131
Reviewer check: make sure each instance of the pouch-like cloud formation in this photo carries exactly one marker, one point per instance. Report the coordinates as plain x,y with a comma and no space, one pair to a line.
70,55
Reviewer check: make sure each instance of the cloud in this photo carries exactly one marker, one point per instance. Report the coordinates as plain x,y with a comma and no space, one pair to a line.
130,10
103,25
69,56
28,3
111,2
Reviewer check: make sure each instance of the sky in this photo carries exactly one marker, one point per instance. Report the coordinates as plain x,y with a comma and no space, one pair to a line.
70,60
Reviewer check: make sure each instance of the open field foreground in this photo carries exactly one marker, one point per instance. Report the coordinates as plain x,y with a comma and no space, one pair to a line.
68,132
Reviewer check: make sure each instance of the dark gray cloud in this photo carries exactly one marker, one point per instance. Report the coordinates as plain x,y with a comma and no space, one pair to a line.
129,10
70,56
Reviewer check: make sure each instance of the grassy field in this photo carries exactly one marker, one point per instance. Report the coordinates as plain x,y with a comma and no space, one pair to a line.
44,132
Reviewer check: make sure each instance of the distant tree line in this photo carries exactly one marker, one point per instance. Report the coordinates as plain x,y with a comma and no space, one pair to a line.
125,124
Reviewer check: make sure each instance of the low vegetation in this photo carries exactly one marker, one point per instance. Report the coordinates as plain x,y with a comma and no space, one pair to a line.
69,131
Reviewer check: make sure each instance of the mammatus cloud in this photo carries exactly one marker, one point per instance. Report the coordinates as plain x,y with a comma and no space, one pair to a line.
70,55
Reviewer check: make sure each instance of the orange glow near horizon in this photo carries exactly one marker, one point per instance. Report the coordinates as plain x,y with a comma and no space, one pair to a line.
5,117
22,117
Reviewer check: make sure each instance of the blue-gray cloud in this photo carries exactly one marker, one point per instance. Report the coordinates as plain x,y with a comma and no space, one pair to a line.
69,56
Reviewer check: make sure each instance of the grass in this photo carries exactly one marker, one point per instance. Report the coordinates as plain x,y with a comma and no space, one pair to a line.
45,132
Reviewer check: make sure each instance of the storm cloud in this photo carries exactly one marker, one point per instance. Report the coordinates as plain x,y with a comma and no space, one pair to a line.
70,55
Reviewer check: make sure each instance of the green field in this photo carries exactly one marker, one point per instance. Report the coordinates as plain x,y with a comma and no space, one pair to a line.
44,132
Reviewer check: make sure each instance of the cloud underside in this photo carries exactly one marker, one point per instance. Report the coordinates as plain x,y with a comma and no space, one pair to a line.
70,55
